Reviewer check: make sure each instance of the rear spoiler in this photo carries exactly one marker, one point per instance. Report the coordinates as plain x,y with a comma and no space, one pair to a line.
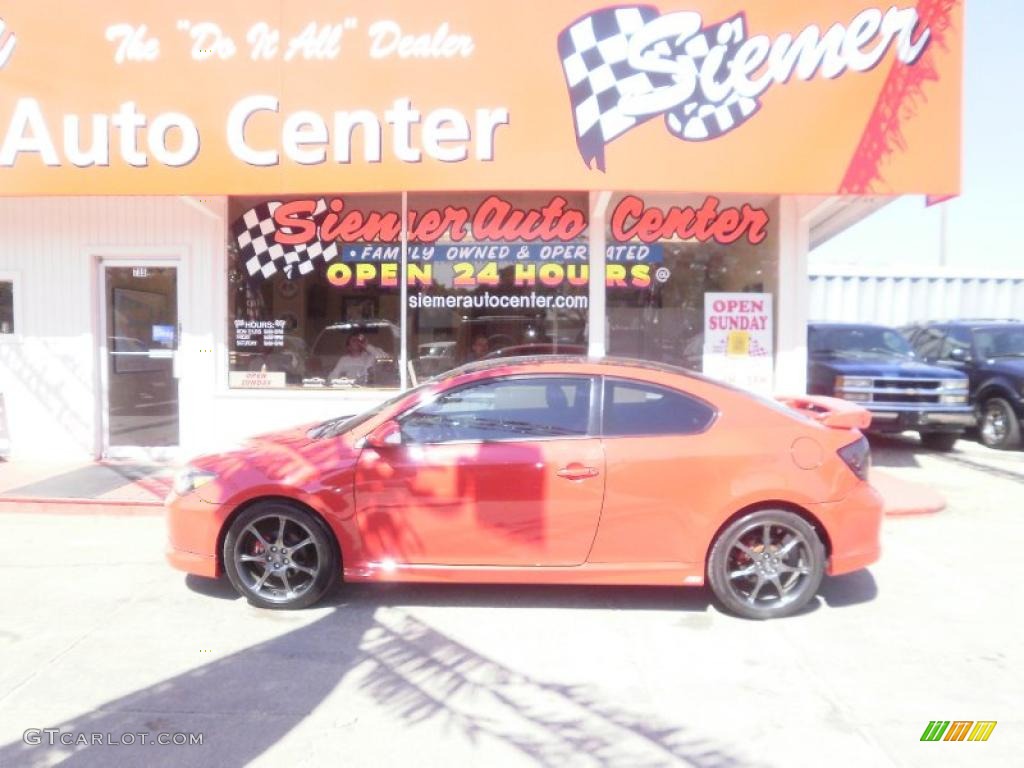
830,411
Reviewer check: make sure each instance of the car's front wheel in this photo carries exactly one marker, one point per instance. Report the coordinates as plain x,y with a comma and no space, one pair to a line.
767,564
999,427
279,555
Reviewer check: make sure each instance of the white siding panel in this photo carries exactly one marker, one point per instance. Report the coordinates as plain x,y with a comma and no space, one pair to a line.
49,372
891,298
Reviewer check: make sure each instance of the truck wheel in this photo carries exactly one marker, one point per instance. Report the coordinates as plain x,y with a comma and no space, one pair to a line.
939,441
999,427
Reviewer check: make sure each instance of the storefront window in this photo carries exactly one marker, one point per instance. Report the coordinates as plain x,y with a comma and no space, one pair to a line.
315,283
508,276
671,258
313,291
6,307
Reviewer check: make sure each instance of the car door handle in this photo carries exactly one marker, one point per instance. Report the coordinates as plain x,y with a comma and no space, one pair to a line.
577,472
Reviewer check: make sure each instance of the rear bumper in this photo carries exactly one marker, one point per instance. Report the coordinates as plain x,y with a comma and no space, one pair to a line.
854,527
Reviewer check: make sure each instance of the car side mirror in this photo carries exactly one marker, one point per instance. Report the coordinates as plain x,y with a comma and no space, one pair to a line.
959,355
387,435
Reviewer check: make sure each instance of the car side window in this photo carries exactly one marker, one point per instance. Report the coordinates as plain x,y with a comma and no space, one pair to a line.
957,338
633,408
928,343
522,408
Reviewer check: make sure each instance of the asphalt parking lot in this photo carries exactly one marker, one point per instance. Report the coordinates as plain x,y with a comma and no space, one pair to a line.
99,636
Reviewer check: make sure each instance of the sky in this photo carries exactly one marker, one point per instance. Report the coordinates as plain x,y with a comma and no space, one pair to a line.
985,225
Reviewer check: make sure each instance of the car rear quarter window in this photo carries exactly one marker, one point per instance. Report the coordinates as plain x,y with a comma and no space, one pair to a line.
634,409
542,407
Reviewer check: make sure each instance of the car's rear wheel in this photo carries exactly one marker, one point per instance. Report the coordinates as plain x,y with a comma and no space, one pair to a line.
999,427
279,555
766,564
939,441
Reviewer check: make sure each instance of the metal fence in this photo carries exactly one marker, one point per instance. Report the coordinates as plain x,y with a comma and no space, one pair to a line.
894,297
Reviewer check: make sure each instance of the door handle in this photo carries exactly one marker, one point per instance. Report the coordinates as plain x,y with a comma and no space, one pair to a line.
577,472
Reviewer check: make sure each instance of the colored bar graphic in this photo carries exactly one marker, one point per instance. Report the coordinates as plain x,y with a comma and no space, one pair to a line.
982,730
960,730
935,730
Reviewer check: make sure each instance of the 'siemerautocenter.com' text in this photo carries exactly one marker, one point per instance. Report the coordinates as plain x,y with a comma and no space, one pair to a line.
53,737
489,300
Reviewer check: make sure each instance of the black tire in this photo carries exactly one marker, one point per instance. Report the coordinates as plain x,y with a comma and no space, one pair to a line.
279,555
998,426
939,441
740,565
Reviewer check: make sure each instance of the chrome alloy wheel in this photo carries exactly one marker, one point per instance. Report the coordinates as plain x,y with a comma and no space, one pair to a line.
768,565
277,558
994,424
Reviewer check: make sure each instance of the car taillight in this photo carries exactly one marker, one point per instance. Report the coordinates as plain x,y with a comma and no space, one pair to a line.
857,456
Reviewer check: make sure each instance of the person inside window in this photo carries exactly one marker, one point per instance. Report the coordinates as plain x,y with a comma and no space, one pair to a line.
479,349
357,361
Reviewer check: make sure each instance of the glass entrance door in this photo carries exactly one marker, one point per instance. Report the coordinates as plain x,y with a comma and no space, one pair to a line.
141,305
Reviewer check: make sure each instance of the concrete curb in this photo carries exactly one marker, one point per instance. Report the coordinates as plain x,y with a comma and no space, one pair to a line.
904,498
45,506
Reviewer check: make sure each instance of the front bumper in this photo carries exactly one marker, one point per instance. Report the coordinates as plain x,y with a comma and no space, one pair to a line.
923,419
193,527
192,562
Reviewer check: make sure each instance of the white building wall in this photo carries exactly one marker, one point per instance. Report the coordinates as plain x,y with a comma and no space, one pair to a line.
897,297
50,368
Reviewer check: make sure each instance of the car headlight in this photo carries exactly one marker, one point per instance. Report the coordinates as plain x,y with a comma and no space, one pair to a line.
190,478
954,384
853,382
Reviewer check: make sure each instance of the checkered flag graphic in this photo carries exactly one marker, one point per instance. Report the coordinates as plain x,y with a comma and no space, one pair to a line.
594,53
595,58
263,258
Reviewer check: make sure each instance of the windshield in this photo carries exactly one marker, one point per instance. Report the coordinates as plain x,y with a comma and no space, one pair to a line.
340,424
999,342
858,342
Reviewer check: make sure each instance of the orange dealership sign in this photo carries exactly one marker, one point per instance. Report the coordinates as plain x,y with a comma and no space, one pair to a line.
264,96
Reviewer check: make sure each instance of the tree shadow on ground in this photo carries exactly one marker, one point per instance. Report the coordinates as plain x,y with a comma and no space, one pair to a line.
403,670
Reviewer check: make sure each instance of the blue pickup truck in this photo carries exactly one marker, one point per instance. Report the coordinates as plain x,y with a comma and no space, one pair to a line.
875,366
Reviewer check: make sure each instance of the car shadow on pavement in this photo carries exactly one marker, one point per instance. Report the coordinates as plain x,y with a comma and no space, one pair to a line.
395,669
964,461
835,591
849,589
219,588
894,451
500,596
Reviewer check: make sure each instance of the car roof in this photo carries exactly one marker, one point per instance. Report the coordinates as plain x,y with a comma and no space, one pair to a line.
981,322
354,324
850,325
569,363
